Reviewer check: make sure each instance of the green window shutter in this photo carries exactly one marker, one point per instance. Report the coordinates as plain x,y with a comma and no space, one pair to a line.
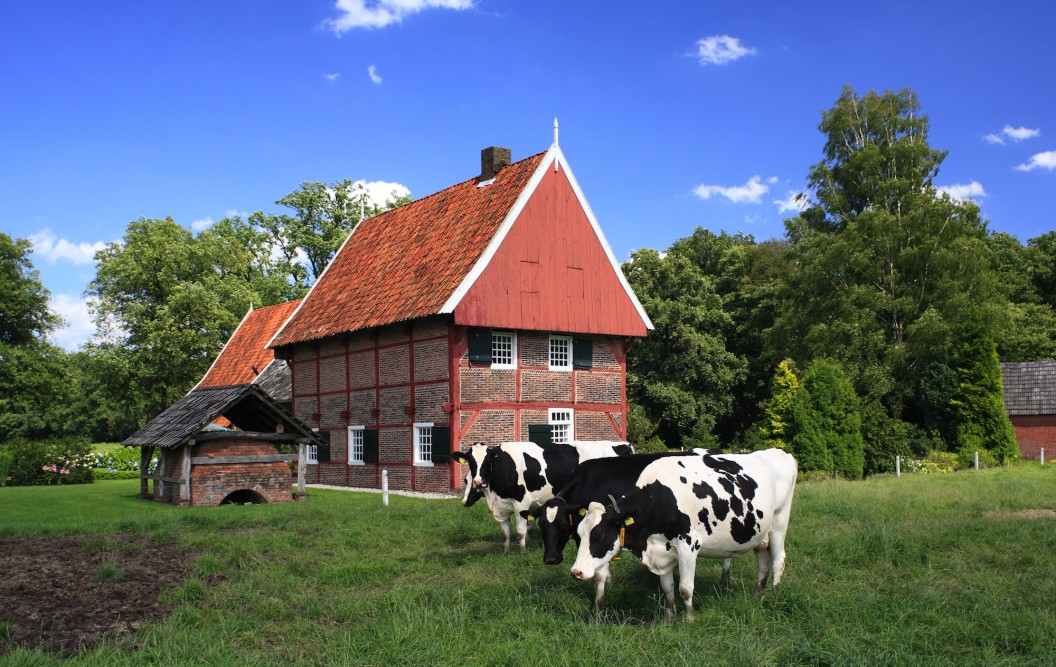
323,452
441,444
541,434
582,353
480,346
370,445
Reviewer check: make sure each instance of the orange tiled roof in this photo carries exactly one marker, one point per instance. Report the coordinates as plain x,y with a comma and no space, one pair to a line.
405,263
247,347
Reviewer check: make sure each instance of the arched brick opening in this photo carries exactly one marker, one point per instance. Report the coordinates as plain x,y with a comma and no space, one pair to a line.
244,497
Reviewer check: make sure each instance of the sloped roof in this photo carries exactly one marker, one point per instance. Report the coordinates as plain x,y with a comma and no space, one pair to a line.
1030,387
406,263
246,357
246,406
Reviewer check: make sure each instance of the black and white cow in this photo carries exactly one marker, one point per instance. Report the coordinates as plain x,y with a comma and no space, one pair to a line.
682,507
595,481
517,476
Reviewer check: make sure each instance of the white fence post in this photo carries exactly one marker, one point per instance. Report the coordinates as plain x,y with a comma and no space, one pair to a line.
1042,456
385,487
977,460
898,466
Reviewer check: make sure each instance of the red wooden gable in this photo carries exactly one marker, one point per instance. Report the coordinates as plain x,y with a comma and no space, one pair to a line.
427,257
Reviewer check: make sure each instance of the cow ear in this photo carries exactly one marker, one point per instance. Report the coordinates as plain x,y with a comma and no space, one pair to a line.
459,456
529,515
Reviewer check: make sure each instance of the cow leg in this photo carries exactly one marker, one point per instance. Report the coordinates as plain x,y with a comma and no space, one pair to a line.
777,555
724,582
762,558
687,569
667,583
521,530
601,577
505,526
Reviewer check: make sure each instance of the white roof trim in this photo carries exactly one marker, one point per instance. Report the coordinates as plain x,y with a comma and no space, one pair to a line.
233,333
555,157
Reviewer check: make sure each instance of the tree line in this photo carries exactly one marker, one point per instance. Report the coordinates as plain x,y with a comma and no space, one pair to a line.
873,328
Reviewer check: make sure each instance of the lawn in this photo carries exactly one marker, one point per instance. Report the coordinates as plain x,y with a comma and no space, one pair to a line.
943,569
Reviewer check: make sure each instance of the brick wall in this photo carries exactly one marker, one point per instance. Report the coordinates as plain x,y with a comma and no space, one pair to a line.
211,483
1034,433
374,378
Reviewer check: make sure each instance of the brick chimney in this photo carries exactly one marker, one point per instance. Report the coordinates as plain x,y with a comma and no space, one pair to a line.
492,160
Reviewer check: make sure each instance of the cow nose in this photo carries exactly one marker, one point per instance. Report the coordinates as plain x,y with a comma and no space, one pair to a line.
553,560
577,573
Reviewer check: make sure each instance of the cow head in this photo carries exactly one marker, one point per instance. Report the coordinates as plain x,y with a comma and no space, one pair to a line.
599,537
557,521
474,458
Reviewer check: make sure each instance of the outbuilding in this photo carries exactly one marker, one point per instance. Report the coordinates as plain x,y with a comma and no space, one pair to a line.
1030,401
200,463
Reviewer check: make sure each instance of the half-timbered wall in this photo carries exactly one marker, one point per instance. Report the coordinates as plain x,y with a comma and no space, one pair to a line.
384,379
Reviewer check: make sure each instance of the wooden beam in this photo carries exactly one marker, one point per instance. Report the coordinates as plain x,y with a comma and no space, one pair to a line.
301,467
145,455
185,475
259,458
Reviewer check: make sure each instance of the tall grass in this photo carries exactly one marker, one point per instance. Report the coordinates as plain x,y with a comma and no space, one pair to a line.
911,570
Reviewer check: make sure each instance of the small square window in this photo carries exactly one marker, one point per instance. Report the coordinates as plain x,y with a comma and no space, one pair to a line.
423,444
560,353
311,454
562,422
355,445
503,349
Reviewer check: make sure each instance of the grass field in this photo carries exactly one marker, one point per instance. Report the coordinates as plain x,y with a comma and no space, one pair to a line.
901,571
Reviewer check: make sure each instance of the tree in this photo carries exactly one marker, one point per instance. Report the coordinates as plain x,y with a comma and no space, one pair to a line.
324,217
827,422
977,411
33,382
165,302
777,411
886,265
681,374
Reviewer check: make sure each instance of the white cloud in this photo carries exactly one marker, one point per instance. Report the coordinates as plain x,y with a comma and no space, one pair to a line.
204,223
964,191
79,325
1014,133
721,49
52,248
794,202
749,193
380,13
1046,160
332,77
372,71
381,192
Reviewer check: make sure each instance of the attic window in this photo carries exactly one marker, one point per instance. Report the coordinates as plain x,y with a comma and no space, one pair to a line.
486,183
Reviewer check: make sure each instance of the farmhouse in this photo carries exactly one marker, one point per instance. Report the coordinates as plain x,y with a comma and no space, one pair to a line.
1030,401
493,310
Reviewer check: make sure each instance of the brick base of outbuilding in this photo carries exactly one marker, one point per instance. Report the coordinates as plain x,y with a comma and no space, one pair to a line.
1034,433
212,483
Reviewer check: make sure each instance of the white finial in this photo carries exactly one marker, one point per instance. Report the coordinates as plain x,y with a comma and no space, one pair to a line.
555,131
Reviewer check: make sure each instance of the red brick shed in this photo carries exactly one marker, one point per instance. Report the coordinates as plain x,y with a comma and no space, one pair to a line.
1030,401
201,465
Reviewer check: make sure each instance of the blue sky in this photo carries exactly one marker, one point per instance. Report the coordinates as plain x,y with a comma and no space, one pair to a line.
673,115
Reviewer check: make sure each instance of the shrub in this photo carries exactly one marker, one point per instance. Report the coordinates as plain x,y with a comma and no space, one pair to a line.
936,462
653,445
115,474
40,462
122,459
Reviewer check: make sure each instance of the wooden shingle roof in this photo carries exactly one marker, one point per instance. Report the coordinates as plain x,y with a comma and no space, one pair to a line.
246,406
1030,387
405,263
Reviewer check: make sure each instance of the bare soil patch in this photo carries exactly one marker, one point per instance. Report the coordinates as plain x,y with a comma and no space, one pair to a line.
63,593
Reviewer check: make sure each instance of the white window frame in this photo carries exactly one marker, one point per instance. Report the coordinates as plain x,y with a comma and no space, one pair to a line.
420,435
356,433
567,365
311,454
513,349
554,418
